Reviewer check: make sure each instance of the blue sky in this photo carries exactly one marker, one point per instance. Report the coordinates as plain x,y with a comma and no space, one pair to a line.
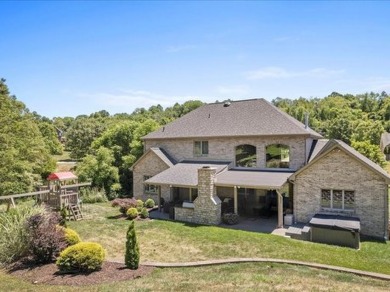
71,58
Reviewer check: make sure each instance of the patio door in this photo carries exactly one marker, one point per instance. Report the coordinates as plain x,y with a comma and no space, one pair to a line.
246,199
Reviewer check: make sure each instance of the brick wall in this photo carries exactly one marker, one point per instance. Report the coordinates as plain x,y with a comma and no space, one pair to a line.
150,165
338,170
224,148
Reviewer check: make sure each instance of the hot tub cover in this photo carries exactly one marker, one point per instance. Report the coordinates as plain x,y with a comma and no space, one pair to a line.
335,222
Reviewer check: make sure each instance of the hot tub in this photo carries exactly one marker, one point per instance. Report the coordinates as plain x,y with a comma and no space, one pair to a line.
336,229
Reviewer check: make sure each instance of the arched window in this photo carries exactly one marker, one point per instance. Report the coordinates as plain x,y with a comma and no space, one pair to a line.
246,155
277,156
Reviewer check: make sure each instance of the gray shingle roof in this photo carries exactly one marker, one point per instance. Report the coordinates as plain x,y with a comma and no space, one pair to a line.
164,156
159,152
184,173
317,147
253,178
256,117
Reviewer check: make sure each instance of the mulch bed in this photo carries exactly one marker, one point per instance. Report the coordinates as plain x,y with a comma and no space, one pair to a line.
48,274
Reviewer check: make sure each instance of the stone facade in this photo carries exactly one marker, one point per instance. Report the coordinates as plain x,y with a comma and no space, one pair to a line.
207,206
224,148
339,170
150,165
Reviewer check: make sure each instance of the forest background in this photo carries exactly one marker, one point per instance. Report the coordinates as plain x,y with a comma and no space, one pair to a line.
106,146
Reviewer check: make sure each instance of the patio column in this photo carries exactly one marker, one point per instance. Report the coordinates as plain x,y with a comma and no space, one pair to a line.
159,198
235,200
280,209
190,194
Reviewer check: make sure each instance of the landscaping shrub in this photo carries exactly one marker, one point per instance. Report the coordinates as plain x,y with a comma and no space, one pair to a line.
230,218
144,213
71,237
140,205
81,257
132,248
124,204
149,203
132,213
115,191
14,233
45,240
64,216
94,195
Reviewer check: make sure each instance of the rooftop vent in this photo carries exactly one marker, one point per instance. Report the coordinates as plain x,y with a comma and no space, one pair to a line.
227,103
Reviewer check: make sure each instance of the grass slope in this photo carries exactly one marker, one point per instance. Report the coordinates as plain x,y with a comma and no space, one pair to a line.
167,241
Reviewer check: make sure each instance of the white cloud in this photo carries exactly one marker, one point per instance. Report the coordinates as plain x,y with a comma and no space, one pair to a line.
233,89
278,73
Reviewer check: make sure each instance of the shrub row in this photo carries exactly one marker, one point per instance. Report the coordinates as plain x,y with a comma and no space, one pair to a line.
133,208
35,232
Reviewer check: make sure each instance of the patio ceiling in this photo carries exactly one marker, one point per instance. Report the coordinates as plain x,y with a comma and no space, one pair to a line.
256,179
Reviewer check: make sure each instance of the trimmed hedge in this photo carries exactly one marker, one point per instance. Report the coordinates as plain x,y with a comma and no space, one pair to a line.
71,237
132,213
149,203
230,218
81,257
144,213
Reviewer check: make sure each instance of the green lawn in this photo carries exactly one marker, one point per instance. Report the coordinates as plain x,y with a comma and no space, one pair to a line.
178,242
168,241
233,277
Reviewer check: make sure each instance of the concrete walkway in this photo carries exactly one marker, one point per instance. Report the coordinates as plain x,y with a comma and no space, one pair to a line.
268,260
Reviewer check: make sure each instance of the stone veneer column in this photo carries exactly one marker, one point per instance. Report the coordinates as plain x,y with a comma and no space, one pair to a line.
207,206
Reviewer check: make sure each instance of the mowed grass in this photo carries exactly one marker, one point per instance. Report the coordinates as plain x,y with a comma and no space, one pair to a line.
230,277
168,241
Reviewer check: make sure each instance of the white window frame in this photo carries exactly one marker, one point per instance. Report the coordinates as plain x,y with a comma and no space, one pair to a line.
149,189
203,147
331,208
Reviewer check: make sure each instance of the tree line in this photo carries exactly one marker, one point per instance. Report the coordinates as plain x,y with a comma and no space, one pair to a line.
106,146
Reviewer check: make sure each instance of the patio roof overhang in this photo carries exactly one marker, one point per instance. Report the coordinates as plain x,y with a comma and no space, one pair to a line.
255,179
185,173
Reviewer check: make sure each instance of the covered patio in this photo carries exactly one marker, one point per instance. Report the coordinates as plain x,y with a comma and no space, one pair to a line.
251,224
252,193
260,191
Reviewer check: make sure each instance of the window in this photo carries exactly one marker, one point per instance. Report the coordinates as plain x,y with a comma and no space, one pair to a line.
338,199
246,155
277,156
201,148
149,188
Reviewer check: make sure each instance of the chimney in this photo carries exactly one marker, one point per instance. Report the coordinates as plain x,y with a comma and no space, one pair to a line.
306,120
207,208
206,177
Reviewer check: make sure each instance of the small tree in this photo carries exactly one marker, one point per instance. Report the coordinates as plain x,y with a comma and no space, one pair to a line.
132,248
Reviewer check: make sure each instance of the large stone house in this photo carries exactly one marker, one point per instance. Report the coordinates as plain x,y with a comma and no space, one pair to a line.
250,158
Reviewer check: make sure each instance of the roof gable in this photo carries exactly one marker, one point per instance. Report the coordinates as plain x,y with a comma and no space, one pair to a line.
160,153
333,144
256,117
